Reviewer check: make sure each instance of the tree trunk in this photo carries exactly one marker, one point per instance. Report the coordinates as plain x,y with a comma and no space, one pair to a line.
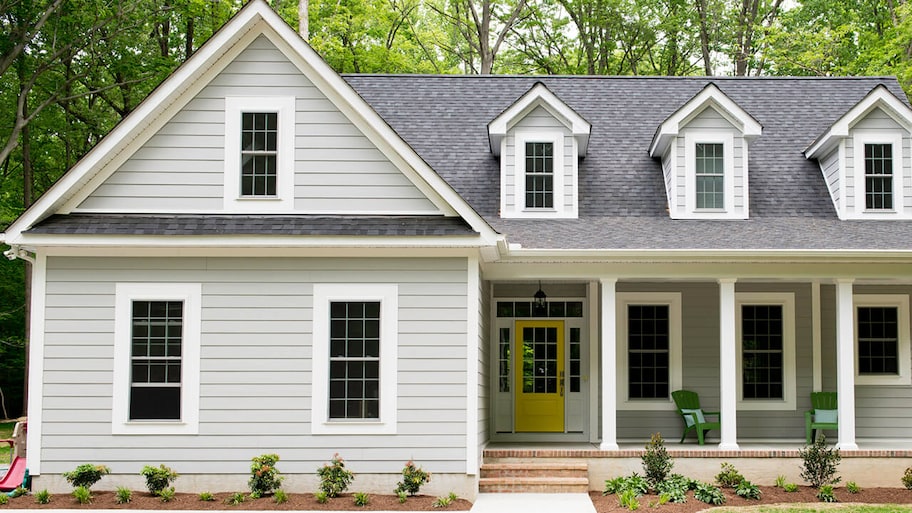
188,40
304,19
704,38
28,180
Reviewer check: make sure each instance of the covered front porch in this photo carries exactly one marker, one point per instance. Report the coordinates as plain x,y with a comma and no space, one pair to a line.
754,346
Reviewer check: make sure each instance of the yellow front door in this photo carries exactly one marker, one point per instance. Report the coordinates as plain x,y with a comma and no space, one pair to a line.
539,376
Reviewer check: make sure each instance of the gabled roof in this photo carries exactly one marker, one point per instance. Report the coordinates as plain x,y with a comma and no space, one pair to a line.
253,20
879,97
710,97
539,96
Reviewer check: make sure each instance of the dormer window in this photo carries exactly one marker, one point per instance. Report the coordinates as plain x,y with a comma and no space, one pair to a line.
710,175
259,154
878,176
539,140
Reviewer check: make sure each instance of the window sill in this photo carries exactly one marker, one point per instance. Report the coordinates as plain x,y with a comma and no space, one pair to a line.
766,404
357,427
156,428
882,380
646,405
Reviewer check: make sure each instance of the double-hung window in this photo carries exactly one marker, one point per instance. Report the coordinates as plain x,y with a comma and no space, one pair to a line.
156,358
878,176
355,352
710,175
648,349
539,175
882,339
259,154
765,338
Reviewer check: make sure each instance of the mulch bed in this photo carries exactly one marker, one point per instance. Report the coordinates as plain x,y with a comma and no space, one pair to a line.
769,495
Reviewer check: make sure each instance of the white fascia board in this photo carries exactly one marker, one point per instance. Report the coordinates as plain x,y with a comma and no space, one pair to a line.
710,97
716,255
880,96
128,132
235,241
539,96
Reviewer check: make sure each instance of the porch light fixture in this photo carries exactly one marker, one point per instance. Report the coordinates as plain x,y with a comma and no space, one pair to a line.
541,299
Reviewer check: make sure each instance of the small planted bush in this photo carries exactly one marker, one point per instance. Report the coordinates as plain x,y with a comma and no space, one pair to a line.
86,475
747,490
675,487
264,476
402,496
657,464
361,499
123,495
790,487
413,477
166,495
43,497
709,494
206,497
852,487
334,477
321,497
729,477
445,501
907,479
4,498
280,497
158,478
628,499
819,463
633,482
82,494
825,494
780,481
235,499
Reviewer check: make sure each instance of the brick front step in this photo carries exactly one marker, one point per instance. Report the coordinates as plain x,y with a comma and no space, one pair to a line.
553,477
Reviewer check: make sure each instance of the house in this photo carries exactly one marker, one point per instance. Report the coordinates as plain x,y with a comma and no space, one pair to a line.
267,256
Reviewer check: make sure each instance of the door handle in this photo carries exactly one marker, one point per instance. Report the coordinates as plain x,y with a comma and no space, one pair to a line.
561,379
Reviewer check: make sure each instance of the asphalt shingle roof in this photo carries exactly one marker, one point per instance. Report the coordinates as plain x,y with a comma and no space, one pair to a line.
621,189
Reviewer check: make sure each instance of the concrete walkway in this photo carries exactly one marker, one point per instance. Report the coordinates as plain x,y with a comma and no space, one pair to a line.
533,503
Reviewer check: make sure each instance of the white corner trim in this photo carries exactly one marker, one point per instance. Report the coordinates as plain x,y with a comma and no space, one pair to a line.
901,302
473,340
860,139
36,365
323,295
283,201
789,368
675,356
125,294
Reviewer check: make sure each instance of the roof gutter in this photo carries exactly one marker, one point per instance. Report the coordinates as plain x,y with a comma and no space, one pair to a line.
515,251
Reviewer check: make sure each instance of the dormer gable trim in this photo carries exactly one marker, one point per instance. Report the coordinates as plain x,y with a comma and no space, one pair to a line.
878,97
255,18
710,97
539,96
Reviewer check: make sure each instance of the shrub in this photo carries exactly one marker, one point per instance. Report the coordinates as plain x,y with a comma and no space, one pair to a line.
321,497
166,495
43,497
158,478
280,497
729,477
819,463
235,499
852,487
412,479
790,487
633,482
123,495
361,499
206,497
402,496
907,479
629,499
657,464
4,498
82,494
264,476
780,481
748,490
675,487
825,493
18,492
86,475
334,477
709,494
443,502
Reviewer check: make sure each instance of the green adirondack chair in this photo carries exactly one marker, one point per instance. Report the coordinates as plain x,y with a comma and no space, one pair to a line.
823,415
694,418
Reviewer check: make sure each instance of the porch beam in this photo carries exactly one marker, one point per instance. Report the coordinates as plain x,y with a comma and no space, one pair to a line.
728,362
816,349
845,363
609,363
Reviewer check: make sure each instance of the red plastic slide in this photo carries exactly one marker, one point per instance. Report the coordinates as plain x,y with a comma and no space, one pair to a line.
14,476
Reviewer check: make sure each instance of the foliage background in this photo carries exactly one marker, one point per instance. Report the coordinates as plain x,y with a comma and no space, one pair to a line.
70,70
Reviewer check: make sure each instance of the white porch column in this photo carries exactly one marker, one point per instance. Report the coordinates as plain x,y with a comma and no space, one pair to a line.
845,363
609,364
727,363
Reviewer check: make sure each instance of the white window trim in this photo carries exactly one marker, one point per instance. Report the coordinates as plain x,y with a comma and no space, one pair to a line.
895,139
789,369
519,210
727,140
125,294
675,370
901,302
283,201
388,295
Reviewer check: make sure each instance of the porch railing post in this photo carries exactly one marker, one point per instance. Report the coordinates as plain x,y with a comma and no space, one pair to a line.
609,364
845,364
727,364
